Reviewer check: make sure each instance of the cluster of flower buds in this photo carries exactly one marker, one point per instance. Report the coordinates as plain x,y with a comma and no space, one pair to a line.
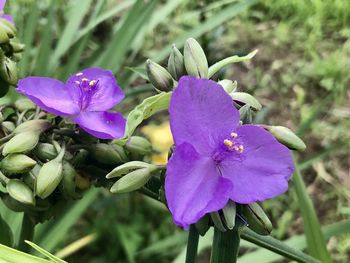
193,62
45,162
10,53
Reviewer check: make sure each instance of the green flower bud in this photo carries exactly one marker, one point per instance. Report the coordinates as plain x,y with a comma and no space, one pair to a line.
49,177
138,145
246,99
133,181
16,46
8,27
286,137
68,184
229,212
108,154
196,63
45,151
159,76
176,65
9,71
8,126
20,192
17,57
24,104
21,143
245,113
4,37
37,126
127,168
203,225
228,85
17,164
257,219
219,223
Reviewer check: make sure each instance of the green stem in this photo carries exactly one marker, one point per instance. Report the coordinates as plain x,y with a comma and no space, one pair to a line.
27,232
225,246
192,245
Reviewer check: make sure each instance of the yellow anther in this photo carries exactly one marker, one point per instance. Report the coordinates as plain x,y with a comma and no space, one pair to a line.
77,82
84,79
92,82
240,148
234,135
79,74
228,143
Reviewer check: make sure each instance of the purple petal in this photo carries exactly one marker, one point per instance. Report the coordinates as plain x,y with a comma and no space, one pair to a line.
8,18
105,94
201,113
49,94
103,124
2,4
262,170
193,186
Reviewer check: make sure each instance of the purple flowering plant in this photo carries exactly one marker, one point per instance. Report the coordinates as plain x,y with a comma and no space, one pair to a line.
2,14
85,98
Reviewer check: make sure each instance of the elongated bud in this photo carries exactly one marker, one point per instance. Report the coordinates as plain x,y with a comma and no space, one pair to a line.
21,143
8,126
24,104
38,126
176,64
16,45
195,60
203,225
17,164
133,181
108,154
228,85
257,219
68,184
20,192
245,113
128,168
219,223
246,98
159,76
286,137
138,145
49,177
45,151
8,27
229,212
9,71
4,37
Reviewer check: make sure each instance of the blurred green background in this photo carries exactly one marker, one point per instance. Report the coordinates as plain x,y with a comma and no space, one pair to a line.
301,75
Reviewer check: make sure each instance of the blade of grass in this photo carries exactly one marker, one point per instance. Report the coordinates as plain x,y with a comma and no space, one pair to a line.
45,253
315,240
10,255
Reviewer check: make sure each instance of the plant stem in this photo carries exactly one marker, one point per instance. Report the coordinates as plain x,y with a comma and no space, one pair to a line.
225,246
27,232
192,245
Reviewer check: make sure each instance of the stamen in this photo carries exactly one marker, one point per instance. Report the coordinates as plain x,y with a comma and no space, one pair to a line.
84,79
228,143
79,74
233,134
240,148
92,83
77,82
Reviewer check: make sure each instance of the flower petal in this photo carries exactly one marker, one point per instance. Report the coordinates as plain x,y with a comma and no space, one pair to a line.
49,94
193,186
201,113
7,17
2,4
103,124
262,170
107,93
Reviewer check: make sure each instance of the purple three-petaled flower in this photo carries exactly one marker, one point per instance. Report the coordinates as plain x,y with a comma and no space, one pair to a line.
85,98
216,159
2,15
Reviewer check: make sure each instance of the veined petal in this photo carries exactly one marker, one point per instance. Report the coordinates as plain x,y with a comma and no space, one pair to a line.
104,94
262,170
201,113
193,186
103,124
49,94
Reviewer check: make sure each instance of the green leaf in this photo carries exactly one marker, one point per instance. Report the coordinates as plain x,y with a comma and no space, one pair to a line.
227,61
6,236
315,240
45,253
10,255
145,110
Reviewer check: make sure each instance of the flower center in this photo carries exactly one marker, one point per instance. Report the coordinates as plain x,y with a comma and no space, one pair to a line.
87,88
232,144
228,147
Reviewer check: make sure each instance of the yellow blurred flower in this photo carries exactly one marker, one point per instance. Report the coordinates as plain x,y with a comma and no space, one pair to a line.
161,139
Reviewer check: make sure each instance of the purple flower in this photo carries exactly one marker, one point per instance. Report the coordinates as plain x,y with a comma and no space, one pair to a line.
216,159
85,98
2,15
